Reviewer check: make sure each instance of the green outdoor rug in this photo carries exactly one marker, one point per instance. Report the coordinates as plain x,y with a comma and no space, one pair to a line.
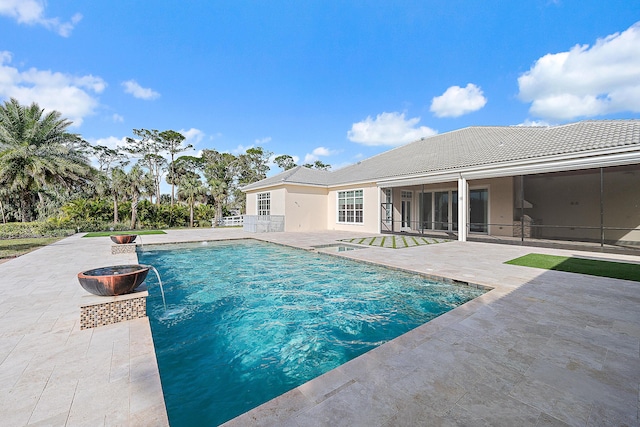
593,267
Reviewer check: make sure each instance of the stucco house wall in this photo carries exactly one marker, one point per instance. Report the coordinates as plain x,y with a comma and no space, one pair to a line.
278,201
306,208
251,204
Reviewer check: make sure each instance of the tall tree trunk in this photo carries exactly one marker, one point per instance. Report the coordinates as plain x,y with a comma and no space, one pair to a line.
172,194
191,215
4,218
157,189
218,211
115,209
41,212
173,180
23,205
134,212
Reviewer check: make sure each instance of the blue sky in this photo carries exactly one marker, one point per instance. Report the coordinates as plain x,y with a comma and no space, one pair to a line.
336,81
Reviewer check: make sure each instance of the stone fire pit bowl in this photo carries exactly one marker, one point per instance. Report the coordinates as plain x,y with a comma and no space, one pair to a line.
123,238
114,280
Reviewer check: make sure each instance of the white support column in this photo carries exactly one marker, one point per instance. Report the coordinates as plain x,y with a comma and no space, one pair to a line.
379,215
463,209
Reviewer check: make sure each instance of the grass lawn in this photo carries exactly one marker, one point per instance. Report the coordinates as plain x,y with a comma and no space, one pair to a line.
11,248
593,267
109,233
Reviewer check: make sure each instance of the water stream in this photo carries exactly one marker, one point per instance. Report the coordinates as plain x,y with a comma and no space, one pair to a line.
164,303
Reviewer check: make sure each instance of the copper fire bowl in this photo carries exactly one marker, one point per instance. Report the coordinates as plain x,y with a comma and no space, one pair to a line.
114,280
123,238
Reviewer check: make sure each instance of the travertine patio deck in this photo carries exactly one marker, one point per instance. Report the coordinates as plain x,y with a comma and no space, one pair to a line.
542,348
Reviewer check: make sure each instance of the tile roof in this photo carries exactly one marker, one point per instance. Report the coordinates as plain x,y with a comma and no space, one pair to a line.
297,175
474,146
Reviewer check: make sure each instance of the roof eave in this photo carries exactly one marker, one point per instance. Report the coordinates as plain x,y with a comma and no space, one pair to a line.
281,184
587,160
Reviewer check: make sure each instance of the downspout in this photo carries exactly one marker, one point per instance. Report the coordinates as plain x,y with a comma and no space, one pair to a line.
522,209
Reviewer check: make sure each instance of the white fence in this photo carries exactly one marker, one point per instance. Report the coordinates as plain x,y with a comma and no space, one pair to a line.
228,221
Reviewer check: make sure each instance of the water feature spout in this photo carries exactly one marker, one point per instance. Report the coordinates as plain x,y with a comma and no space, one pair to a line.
164,303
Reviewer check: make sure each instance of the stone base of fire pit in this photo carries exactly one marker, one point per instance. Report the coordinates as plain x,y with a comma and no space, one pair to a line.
101,311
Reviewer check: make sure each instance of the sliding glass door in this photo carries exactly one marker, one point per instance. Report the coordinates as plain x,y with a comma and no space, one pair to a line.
478,210
426,213
441,210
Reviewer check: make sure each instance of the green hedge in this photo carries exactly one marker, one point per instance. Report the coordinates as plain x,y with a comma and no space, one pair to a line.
23,230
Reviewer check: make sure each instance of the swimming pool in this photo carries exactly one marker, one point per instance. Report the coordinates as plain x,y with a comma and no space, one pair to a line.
247,321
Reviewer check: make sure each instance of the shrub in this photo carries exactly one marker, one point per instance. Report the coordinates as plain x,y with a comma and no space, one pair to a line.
22,230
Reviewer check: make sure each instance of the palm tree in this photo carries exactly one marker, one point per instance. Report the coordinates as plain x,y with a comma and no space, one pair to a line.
4,194
220,170
118,187
191,190
37,152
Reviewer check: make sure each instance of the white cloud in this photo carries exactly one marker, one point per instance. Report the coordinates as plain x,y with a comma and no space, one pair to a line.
586,81
310,158
335,167
323,151
457,101
263,140
117,118
72,96
531,123
110,142
132,87
192,136
388,129
31,12
241,149
317,153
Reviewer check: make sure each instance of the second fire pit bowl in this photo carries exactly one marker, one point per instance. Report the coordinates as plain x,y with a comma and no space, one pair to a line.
123,238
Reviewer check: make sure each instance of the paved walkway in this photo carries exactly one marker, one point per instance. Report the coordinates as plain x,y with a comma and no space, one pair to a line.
543,348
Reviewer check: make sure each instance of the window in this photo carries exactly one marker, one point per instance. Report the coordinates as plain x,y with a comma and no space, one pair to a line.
264,203
350,207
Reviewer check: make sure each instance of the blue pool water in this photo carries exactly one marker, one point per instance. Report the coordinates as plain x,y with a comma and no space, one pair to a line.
247,321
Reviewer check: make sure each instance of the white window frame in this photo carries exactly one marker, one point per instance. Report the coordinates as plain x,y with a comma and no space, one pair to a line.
350,213
264,203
